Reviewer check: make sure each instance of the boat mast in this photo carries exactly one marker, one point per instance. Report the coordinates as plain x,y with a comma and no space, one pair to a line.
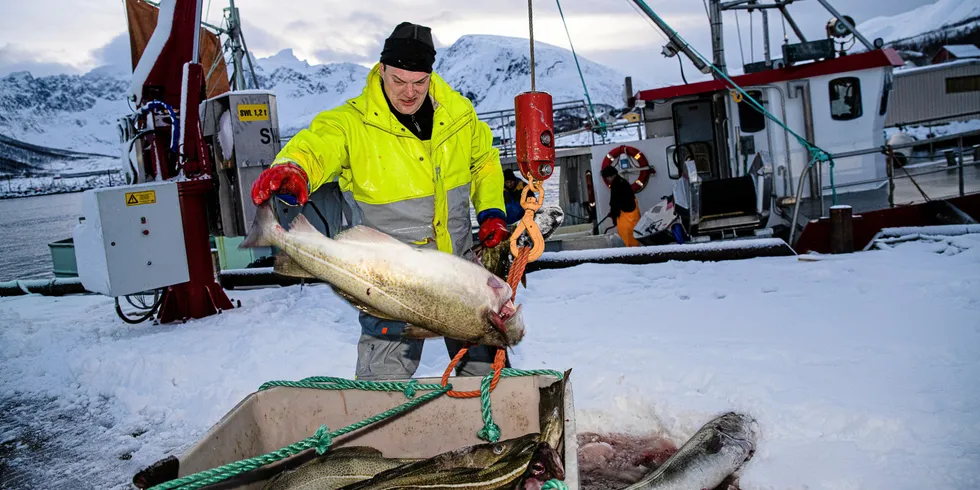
717,36
239,49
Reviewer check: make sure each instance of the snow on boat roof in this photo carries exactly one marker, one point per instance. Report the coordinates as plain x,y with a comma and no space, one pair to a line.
852,62
577,255
939,66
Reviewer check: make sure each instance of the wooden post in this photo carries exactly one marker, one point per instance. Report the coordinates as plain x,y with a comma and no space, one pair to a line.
841,230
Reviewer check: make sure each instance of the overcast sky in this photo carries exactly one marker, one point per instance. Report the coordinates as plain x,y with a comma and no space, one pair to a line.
74,36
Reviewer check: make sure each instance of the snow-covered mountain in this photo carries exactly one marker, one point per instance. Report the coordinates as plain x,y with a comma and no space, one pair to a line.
80,112
944,16
63,111
491,70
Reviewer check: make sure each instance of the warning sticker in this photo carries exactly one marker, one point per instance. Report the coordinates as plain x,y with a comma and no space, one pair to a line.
138,198
253,112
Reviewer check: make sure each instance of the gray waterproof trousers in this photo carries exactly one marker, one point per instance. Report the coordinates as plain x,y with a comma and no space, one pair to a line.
382,353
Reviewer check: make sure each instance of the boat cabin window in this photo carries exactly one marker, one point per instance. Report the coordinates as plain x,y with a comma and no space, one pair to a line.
751,120
845,98
957,85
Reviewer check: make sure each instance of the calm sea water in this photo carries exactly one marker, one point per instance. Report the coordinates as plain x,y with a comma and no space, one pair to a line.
27,225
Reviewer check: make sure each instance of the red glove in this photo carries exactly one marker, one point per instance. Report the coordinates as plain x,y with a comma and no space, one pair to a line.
492,232
286,179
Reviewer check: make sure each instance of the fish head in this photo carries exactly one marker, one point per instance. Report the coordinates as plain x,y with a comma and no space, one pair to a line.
740,431
504,328
504,321
486,455
546,464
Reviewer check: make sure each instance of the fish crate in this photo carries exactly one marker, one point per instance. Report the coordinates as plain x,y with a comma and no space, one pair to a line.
268,420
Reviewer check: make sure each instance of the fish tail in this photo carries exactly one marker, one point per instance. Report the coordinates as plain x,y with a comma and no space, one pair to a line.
259,235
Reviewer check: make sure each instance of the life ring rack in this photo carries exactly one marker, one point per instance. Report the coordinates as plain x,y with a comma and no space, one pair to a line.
641,161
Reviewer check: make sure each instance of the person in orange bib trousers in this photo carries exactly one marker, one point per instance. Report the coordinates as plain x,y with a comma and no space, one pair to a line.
623,206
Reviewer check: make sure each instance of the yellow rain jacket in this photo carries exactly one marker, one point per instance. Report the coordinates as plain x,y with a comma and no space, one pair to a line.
416,191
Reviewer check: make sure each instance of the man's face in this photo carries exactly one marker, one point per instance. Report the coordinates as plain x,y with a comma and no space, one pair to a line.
510,184
406,89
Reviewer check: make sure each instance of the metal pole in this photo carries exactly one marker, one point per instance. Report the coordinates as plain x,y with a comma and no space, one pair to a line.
961,165
197,35
847,24
717,37
891,178
238,79
765,36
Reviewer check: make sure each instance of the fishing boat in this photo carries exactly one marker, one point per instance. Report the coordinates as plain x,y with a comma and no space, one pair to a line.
765,153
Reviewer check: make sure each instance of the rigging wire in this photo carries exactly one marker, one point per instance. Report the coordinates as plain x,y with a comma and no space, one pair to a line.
530,28
643,15
595,119
785,37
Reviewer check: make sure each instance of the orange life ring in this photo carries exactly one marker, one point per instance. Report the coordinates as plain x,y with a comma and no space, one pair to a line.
641,160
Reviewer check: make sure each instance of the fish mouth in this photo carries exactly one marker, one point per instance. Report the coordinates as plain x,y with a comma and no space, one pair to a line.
508,322
741,430
513,320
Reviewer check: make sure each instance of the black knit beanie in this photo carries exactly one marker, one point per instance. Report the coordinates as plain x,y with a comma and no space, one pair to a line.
409,47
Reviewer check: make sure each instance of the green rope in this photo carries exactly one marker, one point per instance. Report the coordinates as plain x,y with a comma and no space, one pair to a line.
490,431
554,485
321,440
816,152
328,383
602,125
511,373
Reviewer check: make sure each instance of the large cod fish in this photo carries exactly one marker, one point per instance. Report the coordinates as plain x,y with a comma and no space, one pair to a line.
520,463
436,293
714,453
335,469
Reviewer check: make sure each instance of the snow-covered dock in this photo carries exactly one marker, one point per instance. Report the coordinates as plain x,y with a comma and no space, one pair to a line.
860,370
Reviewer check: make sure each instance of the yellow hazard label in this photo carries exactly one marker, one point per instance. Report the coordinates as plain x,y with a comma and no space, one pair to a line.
138,198
253,112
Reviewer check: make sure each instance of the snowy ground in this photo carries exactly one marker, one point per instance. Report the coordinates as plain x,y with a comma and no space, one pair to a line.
861,370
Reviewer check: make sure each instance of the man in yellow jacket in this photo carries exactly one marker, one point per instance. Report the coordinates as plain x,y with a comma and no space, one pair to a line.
413,153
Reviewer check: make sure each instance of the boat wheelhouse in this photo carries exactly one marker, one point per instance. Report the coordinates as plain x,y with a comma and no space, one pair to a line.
743,170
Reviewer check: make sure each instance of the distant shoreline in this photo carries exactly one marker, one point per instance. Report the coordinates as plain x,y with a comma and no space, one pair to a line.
39,194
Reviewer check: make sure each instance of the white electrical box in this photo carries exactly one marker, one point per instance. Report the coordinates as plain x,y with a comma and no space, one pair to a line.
130,239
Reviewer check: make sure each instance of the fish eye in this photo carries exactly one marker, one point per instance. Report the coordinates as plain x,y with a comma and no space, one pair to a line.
498,449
